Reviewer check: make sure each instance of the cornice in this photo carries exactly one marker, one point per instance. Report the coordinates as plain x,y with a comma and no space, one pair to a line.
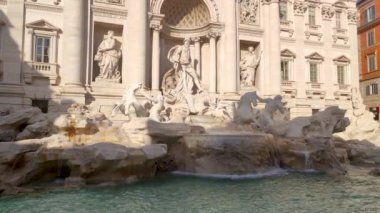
43,7
108,12
369,25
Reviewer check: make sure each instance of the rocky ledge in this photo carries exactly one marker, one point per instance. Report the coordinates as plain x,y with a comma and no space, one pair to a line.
26,161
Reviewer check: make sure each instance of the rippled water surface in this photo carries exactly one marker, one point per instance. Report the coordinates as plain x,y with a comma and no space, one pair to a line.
173,193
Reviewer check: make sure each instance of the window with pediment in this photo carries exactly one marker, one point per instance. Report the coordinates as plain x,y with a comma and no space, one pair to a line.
342,65
185,14
314,63
43,37
287,59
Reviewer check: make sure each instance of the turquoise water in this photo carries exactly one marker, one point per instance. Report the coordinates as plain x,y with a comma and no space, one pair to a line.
175,193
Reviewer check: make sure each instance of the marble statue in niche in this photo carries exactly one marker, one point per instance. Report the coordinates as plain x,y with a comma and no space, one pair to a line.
181,82
108,57
248,66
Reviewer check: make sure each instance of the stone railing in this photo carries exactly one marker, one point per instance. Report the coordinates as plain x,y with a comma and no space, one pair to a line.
288,89
287,83
342,91
313,31
340,31
313,28
286,23
315,90
39,69
314,85
287,28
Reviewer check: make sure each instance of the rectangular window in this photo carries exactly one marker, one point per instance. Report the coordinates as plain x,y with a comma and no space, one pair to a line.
338,20
285,70
283,11
370,38
371,89
312,16
313,72
341,74
370,14
371,62
42,49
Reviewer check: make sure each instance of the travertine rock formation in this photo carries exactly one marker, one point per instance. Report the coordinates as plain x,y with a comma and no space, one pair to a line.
22,124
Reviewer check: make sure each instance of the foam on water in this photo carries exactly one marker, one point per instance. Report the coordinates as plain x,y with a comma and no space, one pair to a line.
272,172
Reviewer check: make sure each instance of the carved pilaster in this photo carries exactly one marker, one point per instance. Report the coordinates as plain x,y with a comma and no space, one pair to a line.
213,34
327,12
156,27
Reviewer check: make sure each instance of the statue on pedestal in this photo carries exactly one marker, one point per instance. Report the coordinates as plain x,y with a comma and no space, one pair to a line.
248,66
108,56
178,83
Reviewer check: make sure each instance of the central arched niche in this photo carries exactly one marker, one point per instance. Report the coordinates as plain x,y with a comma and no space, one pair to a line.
185,14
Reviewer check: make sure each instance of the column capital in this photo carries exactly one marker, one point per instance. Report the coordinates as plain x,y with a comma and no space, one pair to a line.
196,39
155,21
213,34
155,26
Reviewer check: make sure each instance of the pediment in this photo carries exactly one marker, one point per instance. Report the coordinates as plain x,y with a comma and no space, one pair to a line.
340,4
315,56
342,59
42,25
287,53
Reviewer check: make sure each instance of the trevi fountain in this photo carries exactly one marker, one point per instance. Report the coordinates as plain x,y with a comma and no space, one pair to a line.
182,149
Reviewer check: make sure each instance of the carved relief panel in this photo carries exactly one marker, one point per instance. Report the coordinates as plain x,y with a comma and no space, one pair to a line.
249,11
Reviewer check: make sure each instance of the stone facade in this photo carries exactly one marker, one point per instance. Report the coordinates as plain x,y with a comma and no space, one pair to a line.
48,48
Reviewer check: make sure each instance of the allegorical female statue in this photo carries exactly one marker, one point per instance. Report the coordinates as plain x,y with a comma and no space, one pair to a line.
108,56
248,66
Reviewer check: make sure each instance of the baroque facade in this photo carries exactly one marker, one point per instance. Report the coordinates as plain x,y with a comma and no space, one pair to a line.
57,52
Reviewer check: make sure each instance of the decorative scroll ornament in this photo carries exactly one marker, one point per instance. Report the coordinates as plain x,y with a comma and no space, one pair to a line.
299,8
352,16
327,12
248,11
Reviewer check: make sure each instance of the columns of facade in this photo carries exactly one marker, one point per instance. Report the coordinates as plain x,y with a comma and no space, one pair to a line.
213,60
274,80
230,75
73,58
353,36
13,42
328,80
156,57
197,55
29,45
136,35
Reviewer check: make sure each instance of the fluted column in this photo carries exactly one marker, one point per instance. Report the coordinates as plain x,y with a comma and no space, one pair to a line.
270,79
275,49
197,55
156,56
213,81
230,74
74,39
135,54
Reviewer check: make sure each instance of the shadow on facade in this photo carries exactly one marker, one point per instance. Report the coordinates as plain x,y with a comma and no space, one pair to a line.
22,84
